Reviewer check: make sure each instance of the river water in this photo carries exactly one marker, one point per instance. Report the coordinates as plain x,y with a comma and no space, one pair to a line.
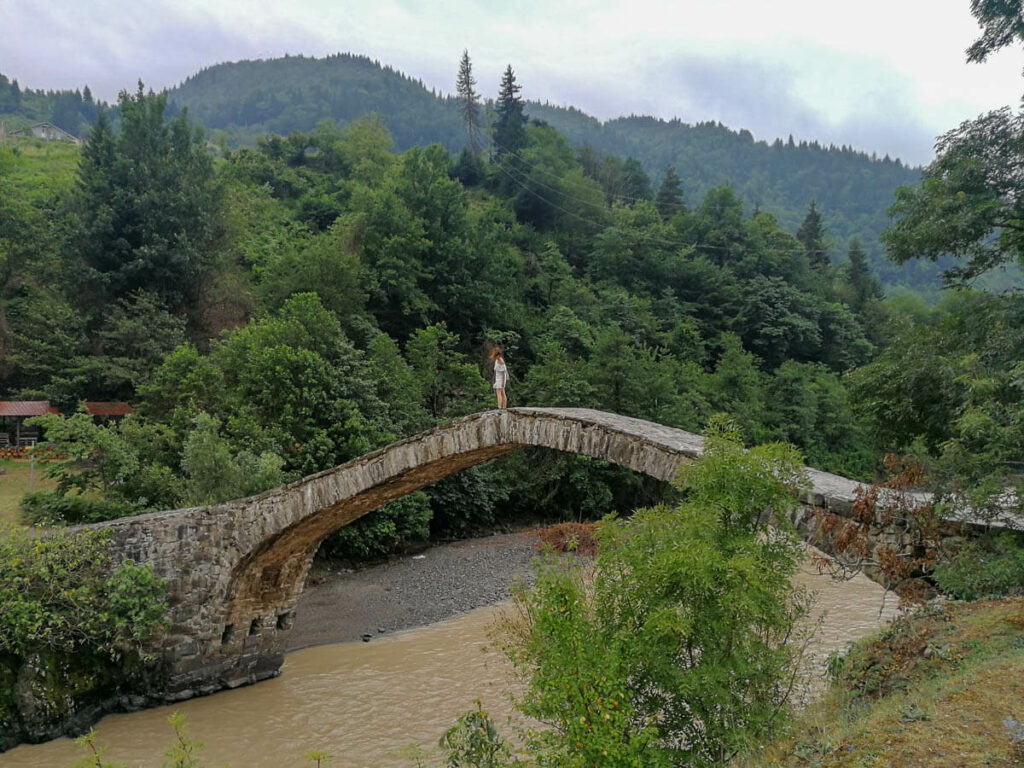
363,703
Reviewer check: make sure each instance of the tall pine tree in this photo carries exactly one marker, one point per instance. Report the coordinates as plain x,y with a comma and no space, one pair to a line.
149,209
510,122
669,200
636,184
469,104
863,285
812,236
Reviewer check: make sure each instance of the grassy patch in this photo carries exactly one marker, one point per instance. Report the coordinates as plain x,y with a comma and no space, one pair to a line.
38,169
14,484
937,689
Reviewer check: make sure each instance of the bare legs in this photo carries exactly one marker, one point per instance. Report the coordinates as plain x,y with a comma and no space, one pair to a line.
502,403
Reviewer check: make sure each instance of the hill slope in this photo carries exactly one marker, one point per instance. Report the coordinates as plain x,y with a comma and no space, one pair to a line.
249,99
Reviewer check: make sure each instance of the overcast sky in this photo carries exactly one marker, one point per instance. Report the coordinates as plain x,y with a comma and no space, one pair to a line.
885,76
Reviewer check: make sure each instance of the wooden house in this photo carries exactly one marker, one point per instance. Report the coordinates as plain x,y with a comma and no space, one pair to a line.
13,414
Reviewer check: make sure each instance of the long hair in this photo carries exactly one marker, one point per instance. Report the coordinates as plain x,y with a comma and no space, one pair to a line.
495,353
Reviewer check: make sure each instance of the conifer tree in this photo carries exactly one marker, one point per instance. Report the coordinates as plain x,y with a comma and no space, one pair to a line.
469,104
509,125
863,285
812,236
636,184
669,200
147,202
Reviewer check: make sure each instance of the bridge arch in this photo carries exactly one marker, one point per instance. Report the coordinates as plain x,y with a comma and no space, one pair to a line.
236,570
270,578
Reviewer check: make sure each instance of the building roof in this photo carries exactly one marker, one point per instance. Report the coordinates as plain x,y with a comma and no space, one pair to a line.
94,408
49,126
25,407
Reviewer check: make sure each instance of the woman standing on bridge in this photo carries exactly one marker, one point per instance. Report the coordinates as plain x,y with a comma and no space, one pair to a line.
500,376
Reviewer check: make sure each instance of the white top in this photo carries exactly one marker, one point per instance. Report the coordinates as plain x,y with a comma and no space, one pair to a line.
500,374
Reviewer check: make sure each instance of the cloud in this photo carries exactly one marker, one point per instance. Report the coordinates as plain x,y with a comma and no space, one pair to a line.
840,76
772,97
110,45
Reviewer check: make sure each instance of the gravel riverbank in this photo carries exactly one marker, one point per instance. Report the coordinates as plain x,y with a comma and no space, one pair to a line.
411,591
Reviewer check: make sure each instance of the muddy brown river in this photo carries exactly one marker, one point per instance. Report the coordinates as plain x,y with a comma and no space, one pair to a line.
364,703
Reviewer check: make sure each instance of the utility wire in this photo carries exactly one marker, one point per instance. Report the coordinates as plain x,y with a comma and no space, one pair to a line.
628,198
519,177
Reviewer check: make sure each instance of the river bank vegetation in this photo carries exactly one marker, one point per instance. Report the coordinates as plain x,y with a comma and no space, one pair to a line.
676,647
942,687
73,626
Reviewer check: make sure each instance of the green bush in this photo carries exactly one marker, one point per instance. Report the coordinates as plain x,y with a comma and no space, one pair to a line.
464,504
475,742
383,531
990,566
673,649
74,624
65,593
49,508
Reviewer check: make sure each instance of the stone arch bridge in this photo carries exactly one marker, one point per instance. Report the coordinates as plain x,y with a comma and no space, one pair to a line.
235,570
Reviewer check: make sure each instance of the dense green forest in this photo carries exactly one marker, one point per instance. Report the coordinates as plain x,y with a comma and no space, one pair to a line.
74,111
249,100
295,304
289,305
282,308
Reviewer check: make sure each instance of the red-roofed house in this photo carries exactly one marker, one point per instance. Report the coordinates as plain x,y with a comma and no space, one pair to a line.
13,413
107,410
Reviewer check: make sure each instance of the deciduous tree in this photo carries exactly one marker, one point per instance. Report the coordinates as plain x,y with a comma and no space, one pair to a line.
675,651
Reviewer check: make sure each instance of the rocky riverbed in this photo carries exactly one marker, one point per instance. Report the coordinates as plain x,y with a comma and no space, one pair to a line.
411,591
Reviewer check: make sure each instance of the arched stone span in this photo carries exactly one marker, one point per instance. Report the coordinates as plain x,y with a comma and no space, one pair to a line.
274,572
236,570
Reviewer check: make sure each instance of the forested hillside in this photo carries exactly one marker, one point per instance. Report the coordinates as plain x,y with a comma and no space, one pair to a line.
250,99
282,308
278,305
74,111
278,309
852,190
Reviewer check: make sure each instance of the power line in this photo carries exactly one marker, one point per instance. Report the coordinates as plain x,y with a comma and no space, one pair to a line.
520,179
562,179
639,235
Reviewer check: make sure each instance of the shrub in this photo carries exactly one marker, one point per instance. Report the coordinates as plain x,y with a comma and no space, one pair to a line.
474,742
50,509
990,566
65,593
383,531
675,649
464,504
